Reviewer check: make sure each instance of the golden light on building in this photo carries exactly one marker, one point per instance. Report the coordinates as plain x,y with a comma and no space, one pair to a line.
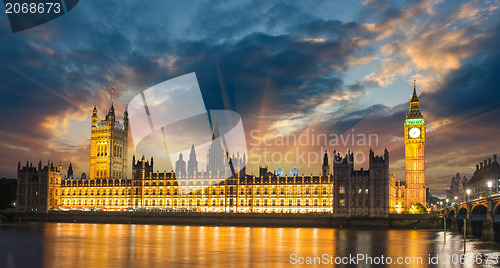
414,134
344,191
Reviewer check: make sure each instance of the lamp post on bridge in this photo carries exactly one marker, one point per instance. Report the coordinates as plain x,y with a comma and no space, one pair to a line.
465,220
490,184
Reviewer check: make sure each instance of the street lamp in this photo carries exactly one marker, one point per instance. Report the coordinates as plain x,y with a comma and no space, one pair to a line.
468,195
490,184
447,201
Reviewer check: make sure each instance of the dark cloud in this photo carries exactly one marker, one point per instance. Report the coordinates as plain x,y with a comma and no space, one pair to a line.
262,59
62,67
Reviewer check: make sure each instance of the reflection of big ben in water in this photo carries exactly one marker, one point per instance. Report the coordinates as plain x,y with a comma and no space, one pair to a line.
414,129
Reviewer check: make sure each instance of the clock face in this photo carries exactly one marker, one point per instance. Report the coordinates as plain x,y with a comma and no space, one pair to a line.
414,132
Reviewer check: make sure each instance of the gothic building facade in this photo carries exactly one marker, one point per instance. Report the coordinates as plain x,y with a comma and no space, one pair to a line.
108,146
38,187
485,181
361,192
223,186
414,136
456,192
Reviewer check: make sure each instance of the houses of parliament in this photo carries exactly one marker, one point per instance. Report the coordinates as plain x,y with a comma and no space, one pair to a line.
224,186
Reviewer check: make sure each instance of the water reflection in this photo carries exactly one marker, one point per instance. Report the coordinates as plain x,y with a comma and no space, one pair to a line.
128,245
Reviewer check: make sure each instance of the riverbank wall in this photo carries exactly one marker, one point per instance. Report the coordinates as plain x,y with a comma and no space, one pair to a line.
236,219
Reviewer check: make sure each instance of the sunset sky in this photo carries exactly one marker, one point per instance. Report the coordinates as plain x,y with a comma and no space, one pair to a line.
331,67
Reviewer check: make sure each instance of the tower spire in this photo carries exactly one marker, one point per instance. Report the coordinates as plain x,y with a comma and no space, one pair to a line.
216,132
414,112
414,98
111,96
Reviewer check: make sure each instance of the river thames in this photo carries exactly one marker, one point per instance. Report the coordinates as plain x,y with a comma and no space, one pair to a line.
129,245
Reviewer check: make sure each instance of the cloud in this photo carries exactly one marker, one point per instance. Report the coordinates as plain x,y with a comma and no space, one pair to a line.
283,67
429,38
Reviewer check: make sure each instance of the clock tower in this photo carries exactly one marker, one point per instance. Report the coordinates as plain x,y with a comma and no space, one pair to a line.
414,133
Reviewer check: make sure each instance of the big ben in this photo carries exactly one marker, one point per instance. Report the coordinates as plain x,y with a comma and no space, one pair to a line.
414,133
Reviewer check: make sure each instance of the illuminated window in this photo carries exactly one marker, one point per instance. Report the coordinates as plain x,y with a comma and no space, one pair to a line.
342,189
342,202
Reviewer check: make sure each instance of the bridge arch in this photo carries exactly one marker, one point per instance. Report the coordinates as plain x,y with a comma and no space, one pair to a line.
496,221
478,216
449,218
461,215
451,214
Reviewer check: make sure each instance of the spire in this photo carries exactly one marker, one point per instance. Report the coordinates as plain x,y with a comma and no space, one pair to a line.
414,98
111,114
414,112
94,118
216,133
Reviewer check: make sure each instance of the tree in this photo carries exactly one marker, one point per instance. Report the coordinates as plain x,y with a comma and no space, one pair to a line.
417,209
8,189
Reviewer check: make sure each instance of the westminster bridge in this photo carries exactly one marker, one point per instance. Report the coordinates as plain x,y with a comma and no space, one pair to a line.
481,217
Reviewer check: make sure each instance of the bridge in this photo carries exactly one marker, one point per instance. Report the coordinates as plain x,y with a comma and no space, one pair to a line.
482,217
